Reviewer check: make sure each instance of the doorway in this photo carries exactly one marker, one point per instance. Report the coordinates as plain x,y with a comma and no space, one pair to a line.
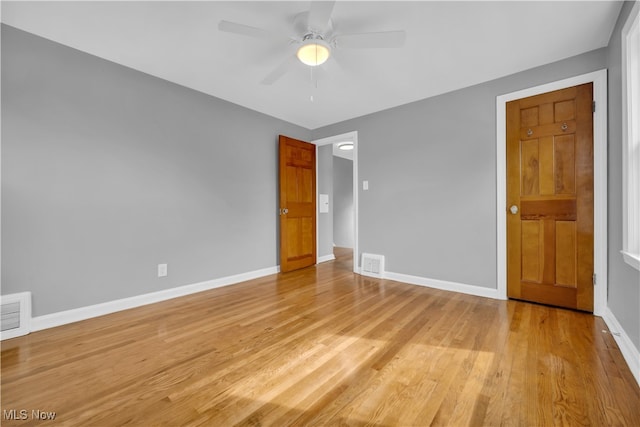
550,198
324,147
599,80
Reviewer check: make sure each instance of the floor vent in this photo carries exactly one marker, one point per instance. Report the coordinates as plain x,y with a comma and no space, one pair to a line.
372,265
15,313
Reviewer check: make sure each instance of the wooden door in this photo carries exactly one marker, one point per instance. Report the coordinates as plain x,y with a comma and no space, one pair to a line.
297,204
550,198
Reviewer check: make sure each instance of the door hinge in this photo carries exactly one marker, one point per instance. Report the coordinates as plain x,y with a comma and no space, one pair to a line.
593,107
594,279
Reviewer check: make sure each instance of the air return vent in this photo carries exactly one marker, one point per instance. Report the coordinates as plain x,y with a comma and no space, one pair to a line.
15,311
372,265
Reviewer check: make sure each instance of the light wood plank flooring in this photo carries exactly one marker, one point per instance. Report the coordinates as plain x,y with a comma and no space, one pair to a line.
323,346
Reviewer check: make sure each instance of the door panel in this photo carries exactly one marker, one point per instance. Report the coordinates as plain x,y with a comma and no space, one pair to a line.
531,251
297,172
566,253
565,165
530,167
550,186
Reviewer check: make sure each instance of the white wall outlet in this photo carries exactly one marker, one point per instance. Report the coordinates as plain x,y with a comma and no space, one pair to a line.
162,270
365,185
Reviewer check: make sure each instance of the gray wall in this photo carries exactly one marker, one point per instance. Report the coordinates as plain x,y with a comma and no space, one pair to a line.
431,166
624,281
325,186
343,202
107,172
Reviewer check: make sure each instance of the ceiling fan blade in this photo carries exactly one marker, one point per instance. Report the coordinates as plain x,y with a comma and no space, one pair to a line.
280,70
320,14
385,39
246,30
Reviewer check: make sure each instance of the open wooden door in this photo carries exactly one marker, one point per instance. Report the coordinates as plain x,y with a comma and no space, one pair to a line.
550,198
297,173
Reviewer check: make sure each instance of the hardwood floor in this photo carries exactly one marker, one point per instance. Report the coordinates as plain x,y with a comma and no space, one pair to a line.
323,346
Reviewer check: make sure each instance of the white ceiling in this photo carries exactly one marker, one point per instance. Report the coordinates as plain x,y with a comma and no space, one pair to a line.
449,45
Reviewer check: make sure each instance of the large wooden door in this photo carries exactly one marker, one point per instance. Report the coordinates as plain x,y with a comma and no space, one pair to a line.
550,198
297,204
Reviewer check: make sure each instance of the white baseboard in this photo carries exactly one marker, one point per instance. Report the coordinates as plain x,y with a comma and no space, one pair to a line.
444,285
629,351
77,314
326,258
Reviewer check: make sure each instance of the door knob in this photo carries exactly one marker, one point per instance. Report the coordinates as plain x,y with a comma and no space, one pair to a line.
513,209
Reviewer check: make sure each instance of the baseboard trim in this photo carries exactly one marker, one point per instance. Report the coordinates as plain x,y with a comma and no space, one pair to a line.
630,353
83,313
326,258
443,285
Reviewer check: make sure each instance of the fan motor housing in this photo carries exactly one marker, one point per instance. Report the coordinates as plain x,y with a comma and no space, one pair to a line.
301,26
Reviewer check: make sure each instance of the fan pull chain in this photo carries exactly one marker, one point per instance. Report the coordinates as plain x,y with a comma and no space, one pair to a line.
311,81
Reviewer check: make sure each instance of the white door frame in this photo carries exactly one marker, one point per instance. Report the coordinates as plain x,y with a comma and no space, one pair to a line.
599,80
349,136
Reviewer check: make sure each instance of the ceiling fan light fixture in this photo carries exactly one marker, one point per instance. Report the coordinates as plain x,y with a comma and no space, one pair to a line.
313,52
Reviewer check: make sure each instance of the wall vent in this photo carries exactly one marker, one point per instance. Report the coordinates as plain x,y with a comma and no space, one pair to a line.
15,315
372,265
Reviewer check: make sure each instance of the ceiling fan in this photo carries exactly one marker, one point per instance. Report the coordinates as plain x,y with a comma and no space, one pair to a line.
315,38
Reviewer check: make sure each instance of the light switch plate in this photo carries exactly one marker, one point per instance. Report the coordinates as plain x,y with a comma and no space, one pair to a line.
324,203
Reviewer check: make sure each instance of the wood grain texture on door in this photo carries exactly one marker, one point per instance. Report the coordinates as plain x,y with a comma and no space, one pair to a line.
550,198
297,172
